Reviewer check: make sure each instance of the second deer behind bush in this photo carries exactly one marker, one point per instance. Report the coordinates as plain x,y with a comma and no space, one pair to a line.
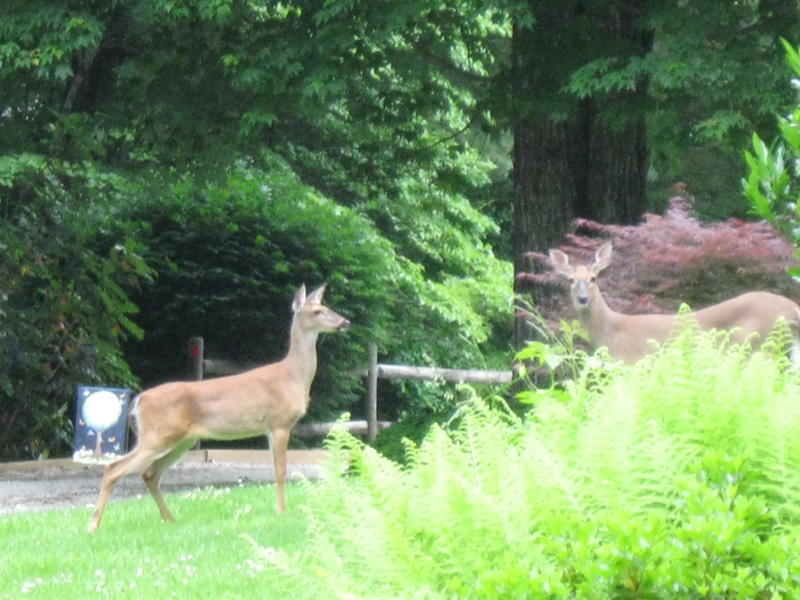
628,336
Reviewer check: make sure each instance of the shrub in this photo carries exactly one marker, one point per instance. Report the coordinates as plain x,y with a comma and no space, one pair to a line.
64,297
773,182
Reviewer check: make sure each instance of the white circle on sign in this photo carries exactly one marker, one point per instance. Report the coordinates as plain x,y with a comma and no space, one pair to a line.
101,410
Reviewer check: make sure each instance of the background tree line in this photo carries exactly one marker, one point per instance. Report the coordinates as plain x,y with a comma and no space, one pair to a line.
195,161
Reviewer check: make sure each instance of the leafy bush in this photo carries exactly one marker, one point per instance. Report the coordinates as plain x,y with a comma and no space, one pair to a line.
773,182
64,298
230,255
673,478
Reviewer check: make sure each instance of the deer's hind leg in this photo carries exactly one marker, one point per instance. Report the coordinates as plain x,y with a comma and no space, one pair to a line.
152,475
135,460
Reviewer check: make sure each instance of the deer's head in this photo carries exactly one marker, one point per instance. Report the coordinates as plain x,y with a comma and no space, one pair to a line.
584,290
312,315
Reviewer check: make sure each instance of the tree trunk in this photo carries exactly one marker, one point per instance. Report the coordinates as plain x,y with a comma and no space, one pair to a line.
544,199
616,168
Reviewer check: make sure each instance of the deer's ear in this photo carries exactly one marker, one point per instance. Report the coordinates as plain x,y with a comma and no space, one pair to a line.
299,298
316,295
602,258
560,262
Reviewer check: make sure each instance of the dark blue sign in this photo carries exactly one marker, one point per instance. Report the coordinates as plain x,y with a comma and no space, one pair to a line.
101,424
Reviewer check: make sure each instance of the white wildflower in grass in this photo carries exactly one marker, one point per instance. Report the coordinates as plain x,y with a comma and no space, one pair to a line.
208,491
245,510
254,566
29,586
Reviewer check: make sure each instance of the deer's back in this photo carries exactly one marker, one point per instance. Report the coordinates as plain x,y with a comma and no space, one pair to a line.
753,312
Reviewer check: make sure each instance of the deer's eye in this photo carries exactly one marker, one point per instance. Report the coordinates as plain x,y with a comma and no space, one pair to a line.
318,311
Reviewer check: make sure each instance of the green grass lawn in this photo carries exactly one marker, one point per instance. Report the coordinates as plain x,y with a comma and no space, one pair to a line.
206,553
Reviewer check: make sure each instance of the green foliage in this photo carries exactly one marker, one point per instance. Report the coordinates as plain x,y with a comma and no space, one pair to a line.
64,305
711,71
673,478
773,182
414,426
356,99
713,74
40,46
553,357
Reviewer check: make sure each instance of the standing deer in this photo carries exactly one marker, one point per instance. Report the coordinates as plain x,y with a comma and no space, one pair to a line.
627,336
171,417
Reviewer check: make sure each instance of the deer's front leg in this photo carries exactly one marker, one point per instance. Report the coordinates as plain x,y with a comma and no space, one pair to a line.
279,440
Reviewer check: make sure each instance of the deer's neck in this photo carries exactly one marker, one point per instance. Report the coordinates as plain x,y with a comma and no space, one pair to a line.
598,320
302,355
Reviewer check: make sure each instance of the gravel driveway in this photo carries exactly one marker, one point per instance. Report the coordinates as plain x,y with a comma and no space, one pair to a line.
62,483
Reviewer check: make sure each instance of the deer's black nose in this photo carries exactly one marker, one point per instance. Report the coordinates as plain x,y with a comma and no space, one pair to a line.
581,294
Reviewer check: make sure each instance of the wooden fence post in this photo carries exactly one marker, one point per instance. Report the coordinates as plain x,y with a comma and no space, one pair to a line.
372,394
196,356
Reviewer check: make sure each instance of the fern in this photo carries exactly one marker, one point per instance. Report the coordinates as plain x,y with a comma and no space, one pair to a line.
674,475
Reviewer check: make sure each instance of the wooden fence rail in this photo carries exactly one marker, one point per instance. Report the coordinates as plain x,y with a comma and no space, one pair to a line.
369,427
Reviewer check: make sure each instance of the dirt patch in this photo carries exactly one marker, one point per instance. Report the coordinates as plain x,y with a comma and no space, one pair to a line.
62,483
